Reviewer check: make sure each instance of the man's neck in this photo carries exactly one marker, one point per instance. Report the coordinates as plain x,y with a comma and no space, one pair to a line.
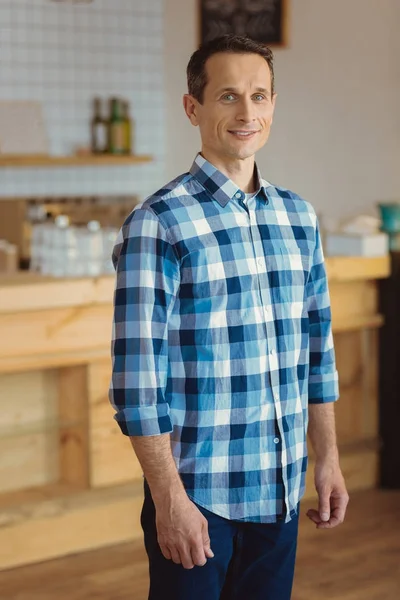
240,172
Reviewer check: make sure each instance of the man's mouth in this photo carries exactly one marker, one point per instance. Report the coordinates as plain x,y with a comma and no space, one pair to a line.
240,133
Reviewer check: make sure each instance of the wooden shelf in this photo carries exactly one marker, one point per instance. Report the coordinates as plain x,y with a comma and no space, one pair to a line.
42,160
355,268
356,323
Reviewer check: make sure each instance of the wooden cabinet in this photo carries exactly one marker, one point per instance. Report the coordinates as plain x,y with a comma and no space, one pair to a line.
69,480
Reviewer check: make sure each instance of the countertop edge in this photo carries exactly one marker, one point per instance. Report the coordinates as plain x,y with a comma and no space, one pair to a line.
44,293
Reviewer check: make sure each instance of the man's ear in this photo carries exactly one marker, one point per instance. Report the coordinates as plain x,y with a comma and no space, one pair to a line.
190,106
274,96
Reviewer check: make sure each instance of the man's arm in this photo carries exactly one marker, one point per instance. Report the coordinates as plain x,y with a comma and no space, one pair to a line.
155,457
322,393
328,478
148,279
182,529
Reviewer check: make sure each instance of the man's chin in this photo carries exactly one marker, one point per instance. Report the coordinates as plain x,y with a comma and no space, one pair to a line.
246,151
242,154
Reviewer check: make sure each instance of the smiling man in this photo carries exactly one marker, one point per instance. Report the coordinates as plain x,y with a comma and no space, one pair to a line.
222,352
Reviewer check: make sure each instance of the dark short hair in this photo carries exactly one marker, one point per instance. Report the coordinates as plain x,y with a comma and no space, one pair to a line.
235,44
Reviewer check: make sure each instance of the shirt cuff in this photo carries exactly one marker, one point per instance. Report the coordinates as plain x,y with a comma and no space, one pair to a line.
323,388
144,420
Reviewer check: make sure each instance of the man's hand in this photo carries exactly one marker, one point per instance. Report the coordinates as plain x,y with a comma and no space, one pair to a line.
332,494
183,532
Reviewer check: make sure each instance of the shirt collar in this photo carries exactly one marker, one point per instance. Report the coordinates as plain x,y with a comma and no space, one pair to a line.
221,188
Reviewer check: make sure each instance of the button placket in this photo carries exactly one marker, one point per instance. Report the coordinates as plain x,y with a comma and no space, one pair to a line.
273,361
253,230
266,302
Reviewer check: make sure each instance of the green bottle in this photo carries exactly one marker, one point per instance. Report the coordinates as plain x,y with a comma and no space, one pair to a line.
127,128
116,128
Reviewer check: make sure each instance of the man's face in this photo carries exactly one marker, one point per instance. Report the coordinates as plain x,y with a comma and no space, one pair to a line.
236,115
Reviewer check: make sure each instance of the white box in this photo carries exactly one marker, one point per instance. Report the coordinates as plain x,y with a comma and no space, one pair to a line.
353,244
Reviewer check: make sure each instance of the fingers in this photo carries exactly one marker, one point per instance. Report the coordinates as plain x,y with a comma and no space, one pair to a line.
206,541
189,544
186,558
178,555
198,554
200,547
189,555
339,507
313,515
337,514
324,507
165,551
175,555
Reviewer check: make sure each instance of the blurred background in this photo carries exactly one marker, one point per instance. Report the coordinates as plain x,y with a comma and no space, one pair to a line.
91,122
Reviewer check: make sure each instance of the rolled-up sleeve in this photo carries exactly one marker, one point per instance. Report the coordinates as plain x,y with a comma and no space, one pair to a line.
147,282
323,377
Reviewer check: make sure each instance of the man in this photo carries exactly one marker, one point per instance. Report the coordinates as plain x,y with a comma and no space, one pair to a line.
223,353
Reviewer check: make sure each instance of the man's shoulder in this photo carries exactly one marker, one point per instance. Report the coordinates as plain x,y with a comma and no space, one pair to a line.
290,199
163,199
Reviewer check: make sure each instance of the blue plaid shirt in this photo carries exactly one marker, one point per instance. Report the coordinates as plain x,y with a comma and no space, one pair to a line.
222,337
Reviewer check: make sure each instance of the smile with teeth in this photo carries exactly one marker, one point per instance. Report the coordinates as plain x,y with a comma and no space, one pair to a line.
243,134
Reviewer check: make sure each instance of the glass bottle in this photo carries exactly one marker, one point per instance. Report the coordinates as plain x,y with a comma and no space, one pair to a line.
99,128
116,127
127,128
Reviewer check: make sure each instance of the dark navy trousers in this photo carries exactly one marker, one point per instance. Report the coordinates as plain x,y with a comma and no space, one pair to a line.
252,561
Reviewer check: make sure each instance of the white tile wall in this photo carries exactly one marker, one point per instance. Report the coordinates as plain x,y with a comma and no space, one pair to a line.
64,54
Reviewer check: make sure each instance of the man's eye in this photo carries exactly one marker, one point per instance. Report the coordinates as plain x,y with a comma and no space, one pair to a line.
228,97
259,97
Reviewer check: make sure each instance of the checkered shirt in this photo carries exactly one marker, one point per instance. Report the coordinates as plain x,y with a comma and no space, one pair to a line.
222,338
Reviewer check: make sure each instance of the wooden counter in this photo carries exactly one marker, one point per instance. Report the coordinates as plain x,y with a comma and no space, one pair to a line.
69,480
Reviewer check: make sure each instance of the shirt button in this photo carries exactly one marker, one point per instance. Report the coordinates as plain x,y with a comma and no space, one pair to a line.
238,195
276,440
272,352
260,262
276,396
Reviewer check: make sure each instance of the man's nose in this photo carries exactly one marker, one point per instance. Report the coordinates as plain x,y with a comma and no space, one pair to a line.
246,112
